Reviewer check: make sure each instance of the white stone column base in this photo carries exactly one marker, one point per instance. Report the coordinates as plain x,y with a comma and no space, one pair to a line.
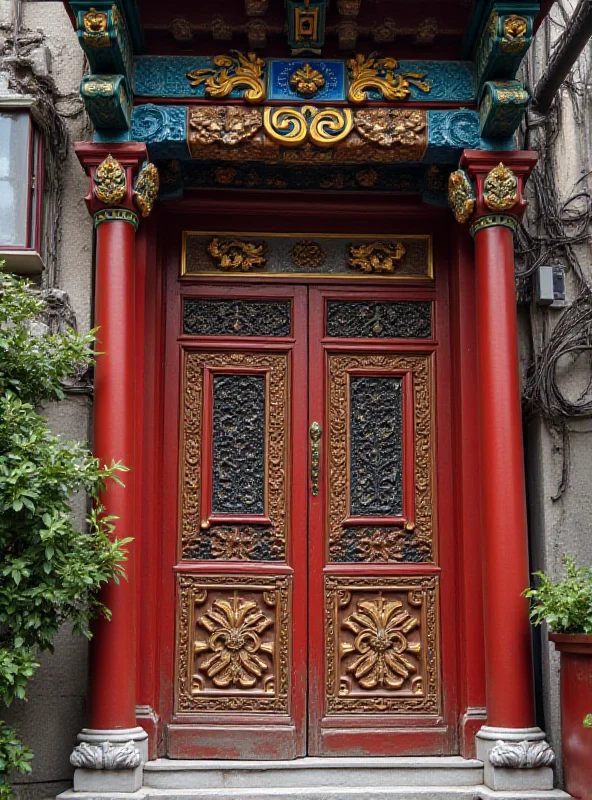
515,759
110,760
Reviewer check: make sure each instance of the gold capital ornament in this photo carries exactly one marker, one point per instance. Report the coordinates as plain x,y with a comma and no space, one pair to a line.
109,181
500,189
146,188
461,196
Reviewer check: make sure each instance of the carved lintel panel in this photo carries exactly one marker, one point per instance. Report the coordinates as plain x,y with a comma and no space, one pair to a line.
235,542
382,646
233,644
413,542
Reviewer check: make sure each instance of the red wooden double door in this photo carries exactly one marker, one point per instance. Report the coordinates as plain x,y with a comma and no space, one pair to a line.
314,609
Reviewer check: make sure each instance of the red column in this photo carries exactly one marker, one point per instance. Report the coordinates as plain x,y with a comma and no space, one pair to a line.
497,206
111,201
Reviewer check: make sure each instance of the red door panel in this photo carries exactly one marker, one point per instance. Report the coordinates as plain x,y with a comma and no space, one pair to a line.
375,597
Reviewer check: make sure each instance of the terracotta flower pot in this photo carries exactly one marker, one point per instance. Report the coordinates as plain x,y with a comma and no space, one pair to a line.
576,703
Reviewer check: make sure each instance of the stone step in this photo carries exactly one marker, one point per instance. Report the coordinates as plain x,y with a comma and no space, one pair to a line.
478,792
302,773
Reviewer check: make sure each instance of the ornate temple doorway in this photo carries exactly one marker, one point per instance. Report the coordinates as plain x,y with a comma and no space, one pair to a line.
314,596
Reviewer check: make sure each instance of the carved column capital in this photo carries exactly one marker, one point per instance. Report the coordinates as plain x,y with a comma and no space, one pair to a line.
488,189
123,184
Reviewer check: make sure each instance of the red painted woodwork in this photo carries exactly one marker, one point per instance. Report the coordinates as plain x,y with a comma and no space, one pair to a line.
112,694
509,687
462,649
510,697
576,703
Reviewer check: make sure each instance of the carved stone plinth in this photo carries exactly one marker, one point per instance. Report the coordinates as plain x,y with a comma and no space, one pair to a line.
109,761
515,759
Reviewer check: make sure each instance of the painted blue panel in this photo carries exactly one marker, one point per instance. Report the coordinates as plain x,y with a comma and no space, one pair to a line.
163,129
166,76
280,71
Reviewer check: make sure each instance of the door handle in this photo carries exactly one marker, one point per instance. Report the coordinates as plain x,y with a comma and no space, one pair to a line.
315,456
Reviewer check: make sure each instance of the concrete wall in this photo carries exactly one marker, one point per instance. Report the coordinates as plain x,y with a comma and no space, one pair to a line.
55,711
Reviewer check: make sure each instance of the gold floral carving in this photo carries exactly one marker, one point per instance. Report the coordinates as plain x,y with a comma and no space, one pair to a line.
382,642
236,653
389,126
233,543
461,197
227,125
236,254
382,645
146,188
192,457
234,71
233,650
500,189
514,39
292,127
383,545
377,257
307,81
420,367
109,181
373,74
307,253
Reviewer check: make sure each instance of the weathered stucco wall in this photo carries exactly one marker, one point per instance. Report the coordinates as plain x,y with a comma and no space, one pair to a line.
55,711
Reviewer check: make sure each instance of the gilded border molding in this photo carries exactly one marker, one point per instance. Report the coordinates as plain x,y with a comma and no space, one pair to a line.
277,426
494,221
116,214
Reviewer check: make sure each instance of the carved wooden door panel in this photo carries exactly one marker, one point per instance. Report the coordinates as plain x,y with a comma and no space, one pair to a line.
375,655
240,687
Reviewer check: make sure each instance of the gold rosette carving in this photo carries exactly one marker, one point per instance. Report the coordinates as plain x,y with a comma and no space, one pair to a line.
234,71
110,181
146,188
307,81
500,189
461,197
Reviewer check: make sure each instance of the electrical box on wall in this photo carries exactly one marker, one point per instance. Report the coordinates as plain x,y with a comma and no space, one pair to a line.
549,286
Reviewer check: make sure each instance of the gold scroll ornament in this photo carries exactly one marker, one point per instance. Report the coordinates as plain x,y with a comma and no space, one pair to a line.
234,71
382,75
292,127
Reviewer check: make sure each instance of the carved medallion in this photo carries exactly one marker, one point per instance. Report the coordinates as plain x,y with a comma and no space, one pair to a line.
292,127
389,126
377,257
307,81
228,125
110,181
234,71
233,649
307,253
234,543
146,188
382,75
461,196
500,189
381,645
235,254
95,32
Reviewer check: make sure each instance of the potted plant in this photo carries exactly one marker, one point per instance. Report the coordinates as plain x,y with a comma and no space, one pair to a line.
565,604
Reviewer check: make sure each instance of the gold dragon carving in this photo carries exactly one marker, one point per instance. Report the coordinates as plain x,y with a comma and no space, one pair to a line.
376,257
236,254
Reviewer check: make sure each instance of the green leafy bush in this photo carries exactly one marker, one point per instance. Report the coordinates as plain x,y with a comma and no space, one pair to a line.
565,603
50,568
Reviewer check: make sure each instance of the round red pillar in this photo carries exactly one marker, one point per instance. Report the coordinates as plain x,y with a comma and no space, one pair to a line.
113,648
510,696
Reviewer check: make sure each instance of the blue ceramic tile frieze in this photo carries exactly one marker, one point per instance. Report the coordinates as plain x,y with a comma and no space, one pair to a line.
166,76
281,70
